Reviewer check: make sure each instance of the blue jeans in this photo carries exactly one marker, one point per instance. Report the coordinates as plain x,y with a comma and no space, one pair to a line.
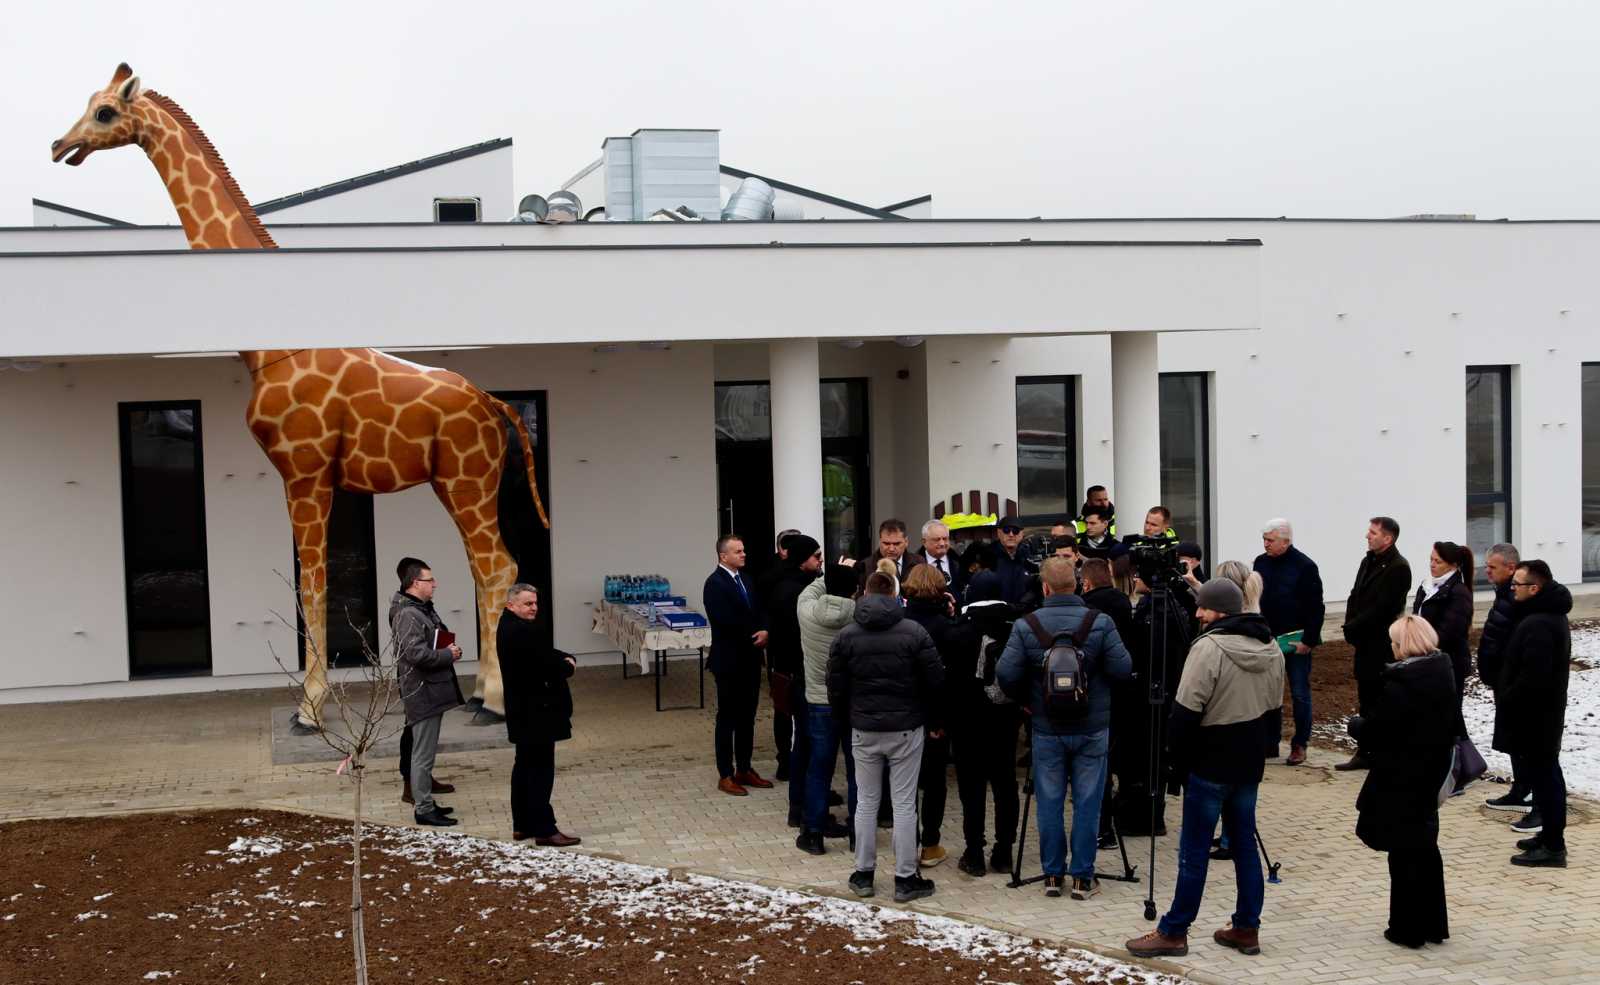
825,742
1298,667
799,751
1056,760
1203,803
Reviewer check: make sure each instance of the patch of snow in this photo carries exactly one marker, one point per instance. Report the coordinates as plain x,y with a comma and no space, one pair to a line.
1580,743
89,916
104,896
246,848
151,976
162,916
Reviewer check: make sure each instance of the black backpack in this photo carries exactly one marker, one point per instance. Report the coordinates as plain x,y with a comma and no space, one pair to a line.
1066,670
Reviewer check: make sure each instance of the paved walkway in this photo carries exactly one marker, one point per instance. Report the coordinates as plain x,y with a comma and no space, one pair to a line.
638,785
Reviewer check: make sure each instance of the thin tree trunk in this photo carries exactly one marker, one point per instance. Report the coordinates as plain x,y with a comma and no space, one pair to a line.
358,926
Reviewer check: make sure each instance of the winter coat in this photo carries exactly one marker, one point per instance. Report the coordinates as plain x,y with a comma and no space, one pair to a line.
1383,583
1530,699
1291,594
1496,630
820,617
538,700
957,643
1449,612
427,676
1227,714
884,673
1013,574
1020,672
1114,604
1408,735
783,627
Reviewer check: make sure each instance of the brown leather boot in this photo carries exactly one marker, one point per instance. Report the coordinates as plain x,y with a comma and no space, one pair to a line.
440,786
1245,940
1297,756
405,794
1158,945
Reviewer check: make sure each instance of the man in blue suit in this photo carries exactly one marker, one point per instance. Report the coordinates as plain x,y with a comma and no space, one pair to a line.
737,639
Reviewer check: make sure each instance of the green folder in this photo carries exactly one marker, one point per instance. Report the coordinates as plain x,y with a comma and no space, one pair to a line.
1287,641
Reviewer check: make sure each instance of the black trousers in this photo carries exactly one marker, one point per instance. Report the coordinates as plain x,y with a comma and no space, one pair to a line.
783,730
533,778
405,754
1544,778
1369,690
738,691
1416,886
933,779
985,746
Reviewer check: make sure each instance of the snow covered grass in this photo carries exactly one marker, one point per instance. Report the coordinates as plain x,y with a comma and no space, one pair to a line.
1580,745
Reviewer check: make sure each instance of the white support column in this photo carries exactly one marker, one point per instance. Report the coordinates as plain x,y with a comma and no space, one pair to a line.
795,375
1135,428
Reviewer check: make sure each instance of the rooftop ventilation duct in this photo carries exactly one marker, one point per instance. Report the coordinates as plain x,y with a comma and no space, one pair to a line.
532,208
564,206
750,202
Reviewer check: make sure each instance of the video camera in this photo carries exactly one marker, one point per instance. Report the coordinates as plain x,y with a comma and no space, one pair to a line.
1155,560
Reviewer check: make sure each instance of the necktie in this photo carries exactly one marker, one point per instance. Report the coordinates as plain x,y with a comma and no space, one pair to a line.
742,593
938,562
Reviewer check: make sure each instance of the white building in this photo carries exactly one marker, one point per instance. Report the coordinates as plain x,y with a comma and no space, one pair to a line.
689,376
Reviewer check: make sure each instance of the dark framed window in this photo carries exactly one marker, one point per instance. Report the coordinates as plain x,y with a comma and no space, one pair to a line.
164,538
1185,416
525,537
1047,444
352,583
1591,471
1488,459
744,467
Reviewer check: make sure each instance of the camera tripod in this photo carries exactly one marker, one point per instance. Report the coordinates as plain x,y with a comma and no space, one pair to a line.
1128,873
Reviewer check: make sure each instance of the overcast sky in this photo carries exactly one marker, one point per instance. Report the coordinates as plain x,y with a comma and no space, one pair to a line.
1218,108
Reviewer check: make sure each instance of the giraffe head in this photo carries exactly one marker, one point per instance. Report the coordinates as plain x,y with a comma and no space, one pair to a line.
108,122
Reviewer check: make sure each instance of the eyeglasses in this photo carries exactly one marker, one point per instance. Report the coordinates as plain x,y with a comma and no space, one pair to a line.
427,579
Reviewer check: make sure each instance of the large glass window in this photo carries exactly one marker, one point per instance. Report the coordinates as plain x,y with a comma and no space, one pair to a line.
164,539
846,471
1185,458
352,593
1488,458
1591,470
1047,446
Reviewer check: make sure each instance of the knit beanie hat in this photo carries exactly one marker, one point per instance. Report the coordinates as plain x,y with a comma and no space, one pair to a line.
1221,595
800,548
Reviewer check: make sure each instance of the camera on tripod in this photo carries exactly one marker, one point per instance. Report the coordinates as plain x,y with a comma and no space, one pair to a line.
1155,560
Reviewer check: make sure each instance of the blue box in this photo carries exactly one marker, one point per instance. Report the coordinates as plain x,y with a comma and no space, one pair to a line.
681,620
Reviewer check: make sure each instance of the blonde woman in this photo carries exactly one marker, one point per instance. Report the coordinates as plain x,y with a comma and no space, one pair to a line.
1249,582
1410,731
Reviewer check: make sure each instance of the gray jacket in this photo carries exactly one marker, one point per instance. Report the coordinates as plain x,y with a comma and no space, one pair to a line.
821,617
427,676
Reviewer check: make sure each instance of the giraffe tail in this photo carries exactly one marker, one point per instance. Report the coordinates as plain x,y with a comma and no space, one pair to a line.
521,428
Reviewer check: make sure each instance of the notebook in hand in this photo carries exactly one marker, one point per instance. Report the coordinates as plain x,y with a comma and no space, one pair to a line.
442,638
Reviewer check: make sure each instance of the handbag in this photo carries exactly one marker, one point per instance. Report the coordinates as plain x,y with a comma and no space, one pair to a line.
1468,764
782,691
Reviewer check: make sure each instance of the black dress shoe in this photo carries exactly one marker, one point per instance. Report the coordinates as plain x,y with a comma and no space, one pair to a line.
1393,938
1000,858
1528,844
781,774
971,862
1542,857
810,842
436,818
794,815
835,799
833,829
1356,762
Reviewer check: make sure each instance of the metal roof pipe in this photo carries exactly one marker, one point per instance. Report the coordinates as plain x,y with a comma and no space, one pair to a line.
564,206
750,202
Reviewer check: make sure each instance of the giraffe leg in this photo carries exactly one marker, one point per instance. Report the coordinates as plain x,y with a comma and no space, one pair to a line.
310,503
474,505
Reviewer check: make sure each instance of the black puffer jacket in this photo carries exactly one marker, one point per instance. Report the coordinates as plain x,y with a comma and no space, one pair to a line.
957,643
1409,736
1530,699
1496,630
782,595
884,673
1449,612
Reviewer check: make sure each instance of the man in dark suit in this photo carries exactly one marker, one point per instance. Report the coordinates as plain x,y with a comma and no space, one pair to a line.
1379,596
737,639
538,715
892,544
936,551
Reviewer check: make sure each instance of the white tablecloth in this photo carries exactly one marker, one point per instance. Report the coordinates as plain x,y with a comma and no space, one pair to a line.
629,632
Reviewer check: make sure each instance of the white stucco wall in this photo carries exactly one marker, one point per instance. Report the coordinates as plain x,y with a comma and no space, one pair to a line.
629,506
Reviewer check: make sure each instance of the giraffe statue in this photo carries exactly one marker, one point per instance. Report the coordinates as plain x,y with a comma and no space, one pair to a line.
356,419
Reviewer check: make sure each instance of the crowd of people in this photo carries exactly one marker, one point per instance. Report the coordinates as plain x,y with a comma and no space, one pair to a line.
1118,692
905,662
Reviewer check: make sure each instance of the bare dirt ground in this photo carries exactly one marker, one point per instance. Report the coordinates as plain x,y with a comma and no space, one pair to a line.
231,896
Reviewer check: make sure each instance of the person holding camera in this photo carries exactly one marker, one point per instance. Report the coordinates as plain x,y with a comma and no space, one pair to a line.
1071,736
1409,731
1159,642
1225,717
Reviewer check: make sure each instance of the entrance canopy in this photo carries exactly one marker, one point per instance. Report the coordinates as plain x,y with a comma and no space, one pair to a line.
105,303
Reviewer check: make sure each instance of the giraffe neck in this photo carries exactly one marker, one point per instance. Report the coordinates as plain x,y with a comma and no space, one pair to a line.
213,210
